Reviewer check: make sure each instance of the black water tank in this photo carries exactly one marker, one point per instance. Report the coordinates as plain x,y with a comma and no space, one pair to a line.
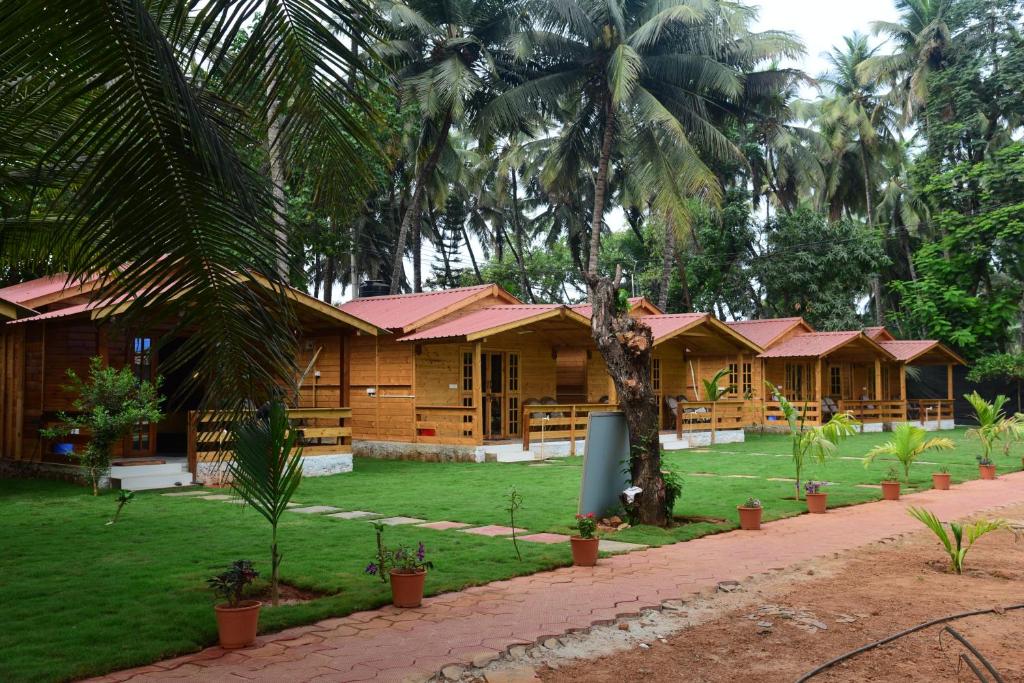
373,288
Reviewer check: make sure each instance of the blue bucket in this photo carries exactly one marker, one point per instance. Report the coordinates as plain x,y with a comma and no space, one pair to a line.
63,448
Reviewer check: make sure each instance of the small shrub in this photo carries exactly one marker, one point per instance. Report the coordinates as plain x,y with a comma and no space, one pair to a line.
230,585
586,525
515,501
123,498
814,486
892,474
673,489
954,546
752,503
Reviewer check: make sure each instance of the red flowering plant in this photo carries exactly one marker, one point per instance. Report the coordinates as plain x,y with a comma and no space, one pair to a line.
587,525
401,559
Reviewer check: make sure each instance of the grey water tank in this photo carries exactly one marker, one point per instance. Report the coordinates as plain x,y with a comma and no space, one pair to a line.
605,463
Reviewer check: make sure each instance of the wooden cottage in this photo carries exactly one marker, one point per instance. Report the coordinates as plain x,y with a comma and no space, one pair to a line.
62,326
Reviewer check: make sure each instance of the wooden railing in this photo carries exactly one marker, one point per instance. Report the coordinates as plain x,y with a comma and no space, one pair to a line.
710,416
322,431
867,412
927,410
771,412
447,425
555,422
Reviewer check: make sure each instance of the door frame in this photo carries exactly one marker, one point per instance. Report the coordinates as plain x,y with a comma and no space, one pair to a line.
128,448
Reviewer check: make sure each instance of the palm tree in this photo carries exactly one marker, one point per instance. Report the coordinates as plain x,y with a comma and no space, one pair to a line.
449,59
907,445
858,126
127,137
921,38
265,471
992,423
641,82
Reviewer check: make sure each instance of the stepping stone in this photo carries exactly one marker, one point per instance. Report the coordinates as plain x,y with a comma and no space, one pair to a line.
294,505
236,501
219,496
398,521
702,474
442,526
741,476
492,530
197,492
544,538
609,546
781,479
315,509
868,486
355,514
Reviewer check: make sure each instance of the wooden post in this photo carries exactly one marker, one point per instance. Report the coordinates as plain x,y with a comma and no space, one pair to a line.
714,421
191,445
817,389
525,422
903,389
949,392
572,430
478,402
878,379
679,421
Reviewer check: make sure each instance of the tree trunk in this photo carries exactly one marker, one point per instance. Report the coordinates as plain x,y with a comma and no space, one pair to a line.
601,187
275,564
524,282
275,154
876,281
667,260
684,282
413,210
330,275
417,254
472,256
353,263
626,344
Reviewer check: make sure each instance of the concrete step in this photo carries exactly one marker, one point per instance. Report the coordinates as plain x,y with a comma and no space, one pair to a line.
149,482
121,471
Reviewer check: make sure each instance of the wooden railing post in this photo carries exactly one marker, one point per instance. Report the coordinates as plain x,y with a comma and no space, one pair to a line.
192,442
679,421
572,430
714,421
527,415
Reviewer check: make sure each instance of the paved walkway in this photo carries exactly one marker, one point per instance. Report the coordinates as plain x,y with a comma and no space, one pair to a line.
475,626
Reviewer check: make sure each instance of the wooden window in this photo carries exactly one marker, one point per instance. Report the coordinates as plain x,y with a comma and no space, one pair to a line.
733,379
467,371
513,415
748,379
656,374
142,358
871,383
513,372
835,381
885,382
795,377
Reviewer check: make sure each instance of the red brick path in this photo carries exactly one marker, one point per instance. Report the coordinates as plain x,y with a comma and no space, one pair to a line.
478,624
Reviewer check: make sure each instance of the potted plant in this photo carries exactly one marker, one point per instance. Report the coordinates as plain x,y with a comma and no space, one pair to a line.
817,501
404,567
986,468
585,545
237,619
940,479
891,485
750,514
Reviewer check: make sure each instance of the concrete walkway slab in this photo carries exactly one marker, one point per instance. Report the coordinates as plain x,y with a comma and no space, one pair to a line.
483,621
544,538
607,545
315,510
399,521
177,494
355,514
217,496
493,530
443,526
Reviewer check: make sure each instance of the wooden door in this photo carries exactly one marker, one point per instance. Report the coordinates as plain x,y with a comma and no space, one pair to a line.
142,357
493,374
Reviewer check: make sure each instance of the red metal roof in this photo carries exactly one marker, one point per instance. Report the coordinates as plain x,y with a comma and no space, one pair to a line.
489,318
402,311
879,334
60,312
907,350
764,332
816,344
26,293
634,301
666,324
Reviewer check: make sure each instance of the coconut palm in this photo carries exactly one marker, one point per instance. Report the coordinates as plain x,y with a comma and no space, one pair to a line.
811,444
265,471
713,390
992,423
642,82
127,141
921,38
955,548
907,445
449,60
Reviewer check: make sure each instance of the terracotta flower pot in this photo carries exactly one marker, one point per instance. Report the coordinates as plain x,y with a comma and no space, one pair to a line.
940,480
817,503
584,551
750,518
407,588
890,490
987,471
236,626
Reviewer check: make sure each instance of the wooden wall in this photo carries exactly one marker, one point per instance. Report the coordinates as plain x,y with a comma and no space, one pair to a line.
384,365
330,388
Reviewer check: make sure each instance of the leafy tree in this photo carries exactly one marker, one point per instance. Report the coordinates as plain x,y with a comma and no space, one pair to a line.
1000,366
107,405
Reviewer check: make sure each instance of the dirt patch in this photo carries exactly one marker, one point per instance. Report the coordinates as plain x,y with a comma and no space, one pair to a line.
786,630
680,520
289,595
775,626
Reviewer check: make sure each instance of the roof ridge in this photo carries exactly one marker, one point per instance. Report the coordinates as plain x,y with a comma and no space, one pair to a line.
409,295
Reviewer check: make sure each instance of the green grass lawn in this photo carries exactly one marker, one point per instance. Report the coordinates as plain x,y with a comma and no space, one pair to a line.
84,598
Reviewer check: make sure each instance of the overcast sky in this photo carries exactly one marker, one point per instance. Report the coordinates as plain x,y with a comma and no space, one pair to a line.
822,23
